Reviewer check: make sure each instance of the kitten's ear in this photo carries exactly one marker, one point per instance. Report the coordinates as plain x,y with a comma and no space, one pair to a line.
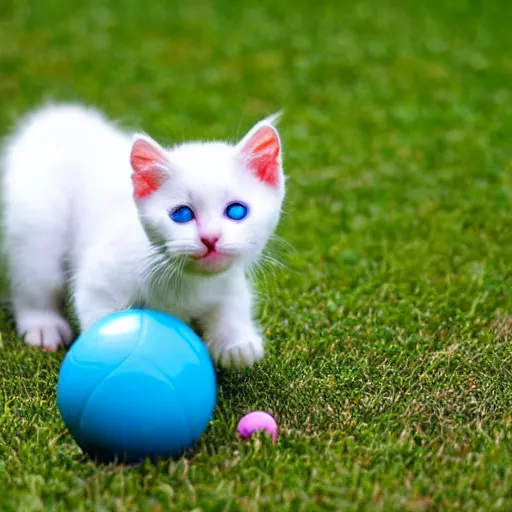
149,163
261,151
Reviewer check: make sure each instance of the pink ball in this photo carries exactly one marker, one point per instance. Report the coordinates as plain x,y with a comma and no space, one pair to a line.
255,422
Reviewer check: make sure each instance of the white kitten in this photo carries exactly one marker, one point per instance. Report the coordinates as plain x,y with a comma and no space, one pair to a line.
129,223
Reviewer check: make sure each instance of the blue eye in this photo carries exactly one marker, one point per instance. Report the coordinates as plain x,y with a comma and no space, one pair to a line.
182,214
236,211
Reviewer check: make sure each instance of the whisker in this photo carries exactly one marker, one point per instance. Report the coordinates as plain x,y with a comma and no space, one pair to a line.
165,264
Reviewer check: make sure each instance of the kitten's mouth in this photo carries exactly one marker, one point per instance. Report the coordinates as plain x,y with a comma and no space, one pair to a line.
209,255
212,260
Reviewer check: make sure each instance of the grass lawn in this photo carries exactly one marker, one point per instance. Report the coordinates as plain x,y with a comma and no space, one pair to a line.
389,368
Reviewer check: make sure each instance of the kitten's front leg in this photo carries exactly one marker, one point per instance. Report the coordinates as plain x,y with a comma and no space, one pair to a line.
93,303
233,339
101,288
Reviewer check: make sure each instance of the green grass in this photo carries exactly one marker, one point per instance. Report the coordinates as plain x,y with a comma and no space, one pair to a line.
389,368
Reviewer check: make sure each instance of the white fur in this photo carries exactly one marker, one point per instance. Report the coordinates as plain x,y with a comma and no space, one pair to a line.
70,218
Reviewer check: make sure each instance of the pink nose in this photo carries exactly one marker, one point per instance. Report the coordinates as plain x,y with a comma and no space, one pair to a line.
210,241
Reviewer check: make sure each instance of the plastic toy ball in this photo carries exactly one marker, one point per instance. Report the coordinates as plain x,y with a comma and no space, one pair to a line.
138,384
255,422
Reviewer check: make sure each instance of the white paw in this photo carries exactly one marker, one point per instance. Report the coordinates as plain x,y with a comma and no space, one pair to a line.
44,329
242,353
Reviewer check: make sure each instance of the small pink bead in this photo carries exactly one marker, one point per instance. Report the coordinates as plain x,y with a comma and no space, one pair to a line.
257,421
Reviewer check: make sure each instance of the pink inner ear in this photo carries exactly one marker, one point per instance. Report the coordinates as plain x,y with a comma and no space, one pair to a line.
262,150
147,162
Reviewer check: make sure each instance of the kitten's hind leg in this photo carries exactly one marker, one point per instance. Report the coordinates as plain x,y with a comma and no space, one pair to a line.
46,329
37,284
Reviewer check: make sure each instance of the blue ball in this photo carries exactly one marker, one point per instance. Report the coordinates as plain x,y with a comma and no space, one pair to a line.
138,384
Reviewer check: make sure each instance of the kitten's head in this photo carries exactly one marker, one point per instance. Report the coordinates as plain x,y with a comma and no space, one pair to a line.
214,203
